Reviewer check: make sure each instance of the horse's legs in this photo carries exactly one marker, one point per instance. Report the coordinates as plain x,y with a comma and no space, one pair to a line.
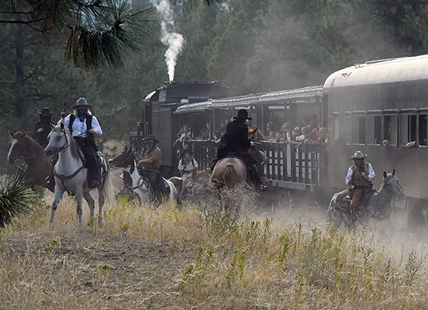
101,198
79,199
58,195
91,203
334,216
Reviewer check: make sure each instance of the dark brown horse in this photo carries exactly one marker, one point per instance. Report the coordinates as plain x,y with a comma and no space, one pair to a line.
38,165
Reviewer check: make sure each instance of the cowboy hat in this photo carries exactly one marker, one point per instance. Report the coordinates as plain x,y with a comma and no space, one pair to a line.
151,138
81,102
45,111
242,114
358,155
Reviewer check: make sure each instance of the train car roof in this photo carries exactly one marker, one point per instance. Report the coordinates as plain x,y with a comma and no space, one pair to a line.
293,95
380,72
230,102
193,107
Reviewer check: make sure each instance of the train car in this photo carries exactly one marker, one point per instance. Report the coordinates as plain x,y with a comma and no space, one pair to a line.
381,108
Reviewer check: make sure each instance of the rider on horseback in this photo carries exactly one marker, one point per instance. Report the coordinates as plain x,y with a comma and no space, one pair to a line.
84,127
151,164
359,177
43,127
235,142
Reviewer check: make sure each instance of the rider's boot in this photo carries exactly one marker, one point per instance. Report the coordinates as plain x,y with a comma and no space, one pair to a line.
260,185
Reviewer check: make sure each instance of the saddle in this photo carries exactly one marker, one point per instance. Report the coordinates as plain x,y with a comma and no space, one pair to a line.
343,206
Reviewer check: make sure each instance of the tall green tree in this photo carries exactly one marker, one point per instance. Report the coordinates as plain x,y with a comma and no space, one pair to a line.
97,33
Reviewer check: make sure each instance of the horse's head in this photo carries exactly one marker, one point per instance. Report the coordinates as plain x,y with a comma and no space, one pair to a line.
392,185
252,132
17,146
58,139
123,160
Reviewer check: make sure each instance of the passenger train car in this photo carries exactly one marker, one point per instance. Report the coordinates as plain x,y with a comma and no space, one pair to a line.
377,107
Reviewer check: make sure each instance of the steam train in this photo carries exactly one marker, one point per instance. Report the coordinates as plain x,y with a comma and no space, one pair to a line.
377,107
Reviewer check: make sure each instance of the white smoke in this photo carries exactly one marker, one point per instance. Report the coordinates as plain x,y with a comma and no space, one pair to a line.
173,40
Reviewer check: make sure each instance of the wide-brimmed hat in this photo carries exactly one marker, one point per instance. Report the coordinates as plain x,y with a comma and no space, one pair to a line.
81,102
45,111
358,155
242,114
151,138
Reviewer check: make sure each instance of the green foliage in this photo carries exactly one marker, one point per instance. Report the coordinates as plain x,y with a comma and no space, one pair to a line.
15,197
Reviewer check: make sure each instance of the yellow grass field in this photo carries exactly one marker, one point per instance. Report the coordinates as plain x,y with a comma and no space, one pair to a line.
190,257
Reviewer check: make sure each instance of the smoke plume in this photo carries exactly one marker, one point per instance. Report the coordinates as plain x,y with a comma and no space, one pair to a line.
173,40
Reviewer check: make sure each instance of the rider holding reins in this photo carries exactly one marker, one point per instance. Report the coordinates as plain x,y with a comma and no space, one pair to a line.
359,176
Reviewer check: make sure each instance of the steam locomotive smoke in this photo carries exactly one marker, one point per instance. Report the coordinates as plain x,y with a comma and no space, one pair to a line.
173,40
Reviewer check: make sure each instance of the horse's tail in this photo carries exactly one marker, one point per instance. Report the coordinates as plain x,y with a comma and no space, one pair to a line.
230,176
109,196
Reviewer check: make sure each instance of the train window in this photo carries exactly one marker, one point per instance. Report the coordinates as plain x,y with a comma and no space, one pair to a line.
423,129
390,129
407,129
348,130
358,130
335,126
374,130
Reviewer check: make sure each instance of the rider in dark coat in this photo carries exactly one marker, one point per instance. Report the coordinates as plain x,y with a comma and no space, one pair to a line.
43,127
235,142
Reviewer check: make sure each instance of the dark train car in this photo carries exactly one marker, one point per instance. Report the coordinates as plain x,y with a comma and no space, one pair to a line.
379,107
160,120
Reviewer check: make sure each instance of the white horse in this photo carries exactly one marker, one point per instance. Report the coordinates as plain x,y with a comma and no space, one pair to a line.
70,174
140,184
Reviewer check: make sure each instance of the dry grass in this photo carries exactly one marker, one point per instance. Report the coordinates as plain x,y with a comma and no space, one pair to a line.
188,258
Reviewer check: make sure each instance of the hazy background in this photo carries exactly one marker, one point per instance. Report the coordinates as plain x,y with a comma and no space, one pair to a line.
250,46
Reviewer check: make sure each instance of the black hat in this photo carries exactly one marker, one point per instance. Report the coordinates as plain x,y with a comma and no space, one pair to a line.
151,138
242,114
81,102
45,111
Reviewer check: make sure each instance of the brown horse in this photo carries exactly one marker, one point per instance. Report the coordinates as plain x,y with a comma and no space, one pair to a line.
231,171
38,165
228,172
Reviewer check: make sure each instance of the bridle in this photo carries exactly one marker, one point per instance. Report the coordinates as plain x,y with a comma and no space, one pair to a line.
25,151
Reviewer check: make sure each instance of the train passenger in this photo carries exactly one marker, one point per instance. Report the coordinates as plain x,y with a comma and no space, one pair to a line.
295,133
322,136
187,167
235,142
359,176
270,126
221,130
207,132
150,161
286,135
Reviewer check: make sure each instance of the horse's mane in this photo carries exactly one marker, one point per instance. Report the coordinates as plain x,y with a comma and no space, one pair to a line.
72,143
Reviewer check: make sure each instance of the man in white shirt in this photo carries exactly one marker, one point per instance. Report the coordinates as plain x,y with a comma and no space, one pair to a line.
84,128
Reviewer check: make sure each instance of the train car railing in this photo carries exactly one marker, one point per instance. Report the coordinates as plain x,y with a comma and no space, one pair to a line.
289,165
292,165
203,151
